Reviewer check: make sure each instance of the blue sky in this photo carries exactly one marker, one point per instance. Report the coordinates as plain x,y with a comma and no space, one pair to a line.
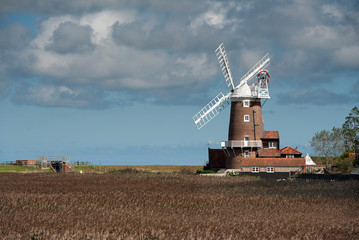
118,82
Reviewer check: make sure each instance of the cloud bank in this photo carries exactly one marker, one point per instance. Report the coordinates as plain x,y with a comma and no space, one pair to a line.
90,54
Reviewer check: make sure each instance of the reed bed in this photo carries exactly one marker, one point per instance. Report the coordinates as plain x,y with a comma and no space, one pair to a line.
144,205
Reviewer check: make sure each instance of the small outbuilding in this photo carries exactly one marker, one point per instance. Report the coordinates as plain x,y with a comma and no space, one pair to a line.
31,163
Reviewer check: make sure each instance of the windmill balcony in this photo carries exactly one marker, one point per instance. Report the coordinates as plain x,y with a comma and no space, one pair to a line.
241,144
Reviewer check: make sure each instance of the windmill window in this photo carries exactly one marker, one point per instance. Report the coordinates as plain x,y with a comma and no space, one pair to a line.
255,169
246,118
272,145
270,169
246,103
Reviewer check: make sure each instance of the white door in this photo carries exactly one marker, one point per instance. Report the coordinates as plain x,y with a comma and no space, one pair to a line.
246,141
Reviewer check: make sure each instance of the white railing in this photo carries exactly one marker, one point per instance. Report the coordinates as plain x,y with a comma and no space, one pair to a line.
241,143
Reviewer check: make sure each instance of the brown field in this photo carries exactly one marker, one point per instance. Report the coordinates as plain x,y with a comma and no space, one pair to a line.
174,206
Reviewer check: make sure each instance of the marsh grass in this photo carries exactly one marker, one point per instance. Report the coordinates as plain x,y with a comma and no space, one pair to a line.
128,205
15,168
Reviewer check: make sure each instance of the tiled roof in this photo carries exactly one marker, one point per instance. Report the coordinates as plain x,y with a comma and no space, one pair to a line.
271,135
273,162
289,150
269,152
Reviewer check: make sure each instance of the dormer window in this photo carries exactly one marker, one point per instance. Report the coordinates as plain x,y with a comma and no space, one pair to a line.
272,145
246,103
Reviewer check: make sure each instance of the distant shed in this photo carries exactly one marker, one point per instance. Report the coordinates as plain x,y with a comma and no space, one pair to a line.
31,163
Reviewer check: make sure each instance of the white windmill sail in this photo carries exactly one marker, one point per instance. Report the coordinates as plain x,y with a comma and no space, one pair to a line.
212,109
223,62
263,63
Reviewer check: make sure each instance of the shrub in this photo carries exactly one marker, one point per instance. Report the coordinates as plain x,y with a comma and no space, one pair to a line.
199,171
345,164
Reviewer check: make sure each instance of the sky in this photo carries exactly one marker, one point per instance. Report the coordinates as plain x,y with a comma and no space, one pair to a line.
117,82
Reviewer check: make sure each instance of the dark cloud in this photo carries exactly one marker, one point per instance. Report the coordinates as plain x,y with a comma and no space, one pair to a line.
314,97
71,38
14,37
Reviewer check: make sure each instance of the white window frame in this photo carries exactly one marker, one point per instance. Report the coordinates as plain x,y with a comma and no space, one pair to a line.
246,103
290,156
270,169
246,154
272,144
255,169
246,118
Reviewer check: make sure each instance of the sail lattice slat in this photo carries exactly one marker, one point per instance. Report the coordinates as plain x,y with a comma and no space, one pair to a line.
212,109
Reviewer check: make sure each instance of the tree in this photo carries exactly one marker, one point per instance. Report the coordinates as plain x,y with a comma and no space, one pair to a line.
338,141
328,143
321,143
345,163
351,131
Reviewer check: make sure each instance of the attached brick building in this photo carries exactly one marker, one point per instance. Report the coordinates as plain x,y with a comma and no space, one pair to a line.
251,149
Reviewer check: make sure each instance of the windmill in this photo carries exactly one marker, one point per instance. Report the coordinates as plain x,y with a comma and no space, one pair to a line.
246,124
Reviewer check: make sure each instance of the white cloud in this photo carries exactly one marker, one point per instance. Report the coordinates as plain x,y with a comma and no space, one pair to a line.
57,96
101,22
216,16
66,53
322,37
333,11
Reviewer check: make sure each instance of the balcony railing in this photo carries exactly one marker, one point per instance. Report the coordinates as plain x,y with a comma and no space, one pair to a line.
241,143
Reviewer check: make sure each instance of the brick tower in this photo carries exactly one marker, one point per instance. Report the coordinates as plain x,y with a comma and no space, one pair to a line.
245,131
246,120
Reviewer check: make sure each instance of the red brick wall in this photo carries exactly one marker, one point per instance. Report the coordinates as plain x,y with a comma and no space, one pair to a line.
238,128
